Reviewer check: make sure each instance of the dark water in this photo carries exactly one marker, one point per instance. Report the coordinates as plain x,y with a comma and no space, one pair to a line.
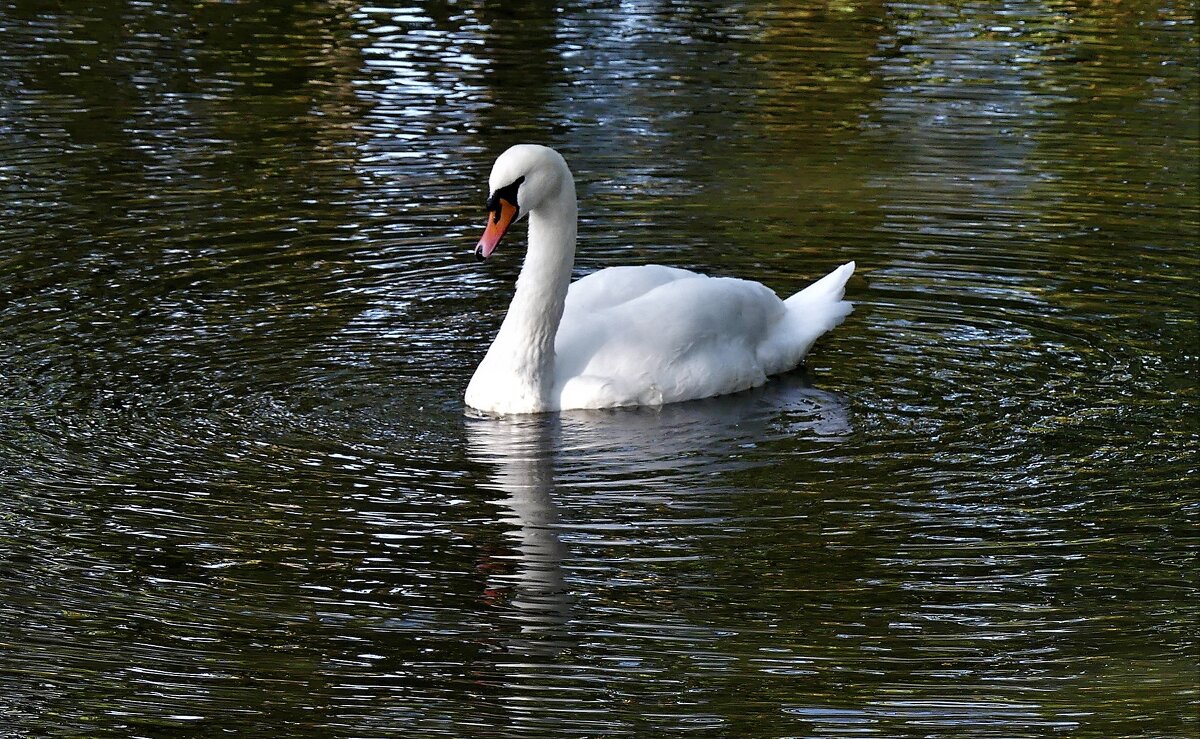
239,493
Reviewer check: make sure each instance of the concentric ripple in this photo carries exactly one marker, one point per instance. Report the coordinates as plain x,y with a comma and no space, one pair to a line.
239,492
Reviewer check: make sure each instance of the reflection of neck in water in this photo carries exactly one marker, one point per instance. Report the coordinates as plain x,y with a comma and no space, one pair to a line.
522,452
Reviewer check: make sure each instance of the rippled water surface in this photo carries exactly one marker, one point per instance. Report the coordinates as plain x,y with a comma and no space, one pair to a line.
239,493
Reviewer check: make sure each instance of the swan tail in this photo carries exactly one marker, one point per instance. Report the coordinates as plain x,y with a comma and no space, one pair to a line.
821,302
810,313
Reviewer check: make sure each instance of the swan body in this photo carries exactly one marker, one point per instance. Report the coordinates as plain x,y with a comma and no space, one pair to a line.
626,336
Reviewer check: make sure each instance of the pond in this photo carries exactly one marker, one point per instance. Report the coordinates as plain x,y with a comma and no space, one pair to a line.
239,490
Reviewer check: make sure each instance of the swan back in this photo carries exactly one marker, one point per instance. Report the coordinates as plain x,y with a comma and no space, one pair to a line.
652,335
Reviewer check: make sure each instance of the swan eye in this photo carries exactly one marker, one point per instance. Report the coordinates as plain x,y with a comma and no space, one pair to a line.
509,193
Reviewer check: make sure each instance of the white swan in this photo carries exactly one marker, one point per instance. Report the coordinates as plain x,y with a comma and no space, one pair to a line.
626,336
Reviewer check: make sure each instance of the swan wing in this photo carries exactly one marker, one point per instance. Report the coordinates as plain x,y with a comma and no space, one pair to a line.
689,337
610,287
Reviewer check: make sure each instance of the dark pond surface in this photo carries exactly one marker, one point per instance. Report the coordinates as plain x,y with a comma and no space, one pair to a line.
239,494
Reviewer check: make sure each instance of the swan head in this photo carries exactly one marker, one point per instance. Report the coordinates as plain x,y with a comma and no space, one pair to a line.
523,177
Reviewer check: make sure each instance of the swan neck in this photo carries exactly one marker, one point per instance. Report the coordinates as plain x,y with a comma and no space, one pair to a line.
526,338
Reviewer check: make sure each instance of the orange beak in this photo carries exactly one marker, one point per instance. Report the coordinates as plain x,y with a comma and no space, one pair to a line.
498,222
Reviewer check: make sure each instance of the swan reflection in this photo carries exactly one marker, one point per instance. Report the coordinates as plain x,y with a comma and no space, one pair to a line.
521,449
536,459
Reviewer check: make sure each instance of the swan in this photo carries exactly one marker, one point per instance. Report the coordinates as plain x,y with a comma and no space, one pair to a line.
631,335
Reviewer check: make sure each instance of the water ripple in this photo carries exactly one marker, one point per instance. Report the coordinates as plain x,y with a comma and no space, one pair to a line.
239,493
